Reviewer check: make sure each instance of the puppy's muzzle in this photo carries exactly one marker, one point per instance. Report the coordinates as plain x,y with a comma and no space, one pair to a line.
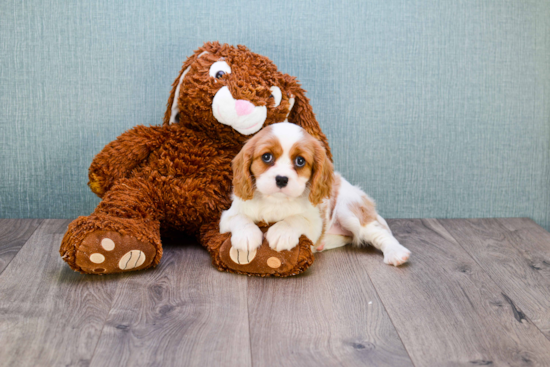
281,181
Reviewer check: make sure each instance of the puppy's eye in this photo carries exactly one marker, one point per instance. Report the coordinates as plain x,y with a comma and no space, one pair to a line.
267,157
277,95
300,161
219,69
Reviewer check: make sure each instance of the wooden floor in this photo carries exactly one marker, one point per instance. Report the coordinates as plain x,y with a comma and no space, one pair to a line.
475,293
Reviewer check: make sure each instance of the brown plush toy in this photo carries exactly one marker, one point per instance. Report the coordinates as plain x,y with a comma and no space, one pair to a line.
178,175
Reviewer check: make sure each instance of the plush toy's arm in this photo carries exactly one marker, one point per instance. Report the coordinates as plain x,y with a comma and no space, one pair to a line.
119,157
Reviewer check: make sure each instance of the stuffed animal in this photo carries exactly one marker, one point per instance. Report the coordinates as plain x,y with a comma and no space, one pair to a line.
178,175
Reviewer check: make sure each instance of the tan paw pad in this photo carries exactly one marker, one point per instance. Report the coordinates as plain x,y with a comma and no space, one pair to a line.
97,258
131,260
274,263
108,244
242,257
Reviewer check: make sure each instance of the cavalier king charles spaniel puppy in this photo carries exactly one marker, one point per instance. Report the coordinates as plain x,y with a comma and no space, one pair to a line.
283,176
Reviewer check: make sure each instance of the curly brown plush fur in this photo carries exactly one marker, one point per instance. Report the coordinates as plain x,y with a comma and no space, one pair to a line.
179,175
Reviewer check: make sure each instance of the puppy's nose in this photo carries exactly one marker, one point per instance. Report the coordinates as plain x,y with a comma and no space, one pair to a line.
243,107
281,181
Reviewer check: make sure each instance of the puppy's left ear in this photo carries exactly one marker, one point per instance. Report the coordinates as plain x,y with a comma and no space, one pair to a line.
243,186
323,176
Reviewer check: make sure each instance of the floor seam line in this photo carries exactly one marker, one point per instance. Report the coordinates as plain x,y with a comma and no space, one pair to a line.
248,317
104,323
42,221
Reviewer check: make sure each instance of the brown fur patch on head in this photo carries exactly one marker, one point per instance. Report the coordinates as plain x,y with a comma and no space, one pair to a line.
266,143
248,164
365,210
321,168
305,149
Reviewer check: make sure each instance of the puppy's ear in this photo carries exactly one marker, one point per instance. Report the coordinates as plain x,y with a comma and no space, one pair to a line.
243,186
302,114
322,177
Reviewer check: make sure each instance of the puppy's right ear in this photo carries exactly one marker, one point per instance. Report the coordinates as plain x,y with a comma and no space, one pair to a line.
323,175
243,186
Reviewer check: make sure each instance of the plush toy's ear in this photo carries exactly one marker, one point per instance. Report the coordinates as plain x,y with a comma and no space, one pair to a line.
172,109
302,114
323,176
243,186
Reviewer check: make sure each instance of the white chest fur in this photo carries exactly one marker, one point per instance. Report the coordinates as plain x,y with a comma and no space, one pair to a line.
274,208
292,217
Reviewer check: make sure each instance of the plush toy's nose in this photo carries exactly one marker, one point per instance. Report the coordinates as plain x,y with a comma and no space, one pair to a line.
243,107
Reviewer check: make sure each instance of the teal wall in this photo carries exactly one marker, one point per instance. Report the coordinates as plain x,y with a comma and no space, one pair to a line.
436,108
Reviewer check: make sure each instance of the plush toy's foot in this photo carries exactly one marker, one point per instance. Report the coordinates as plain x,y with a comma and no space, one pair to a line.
109,252
103,245
263,261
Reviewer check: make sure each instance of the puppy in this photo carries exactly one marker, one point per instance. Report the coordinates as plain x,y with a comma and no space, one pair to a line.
283,176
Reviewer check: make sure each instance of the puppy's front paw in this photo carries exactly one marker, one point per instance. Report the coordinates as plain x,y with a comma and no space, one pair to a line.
249,237
281,236
396,255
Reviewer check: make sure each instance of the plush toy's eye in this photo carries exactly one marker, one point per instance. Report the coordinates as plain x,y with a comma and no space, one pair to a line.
300,161
277,95
267,157
219,69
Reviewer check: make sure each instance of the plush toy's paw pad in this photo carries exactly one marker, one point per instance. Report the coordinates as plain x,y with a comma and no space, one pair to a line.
264,261
242,257
282,237
397,256
131,260
103,252
274,263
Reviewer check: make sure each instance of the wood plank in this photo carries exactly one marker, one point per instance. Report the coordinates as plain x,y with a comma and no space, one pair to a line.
183,313
446,308
516,254
50,315
329,316
13,235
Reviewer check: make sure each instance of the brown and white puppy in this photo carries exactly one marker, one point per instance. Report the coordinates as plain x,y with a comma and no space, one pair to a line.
283,176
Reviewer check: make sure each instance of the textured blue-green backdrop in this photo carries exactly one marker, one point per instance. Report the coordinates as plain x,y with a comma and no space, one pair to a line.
436,108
